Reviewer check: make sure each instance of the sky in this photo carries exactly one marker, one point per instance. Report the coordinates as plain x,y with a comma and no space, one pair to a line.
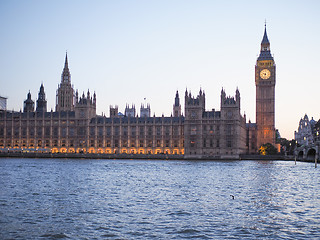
128,51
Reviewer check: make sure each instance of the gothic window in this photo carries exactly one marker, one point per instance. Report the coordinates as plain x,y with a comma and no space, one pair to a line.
211,143
125,131
64,132
92,131
229,129
71,132
31,131
109,130
81,131
9,131
16,132
100,131
158,131
141,143
175,131
193,130
158,143
141,131
167,131
204,143
116,131
167,143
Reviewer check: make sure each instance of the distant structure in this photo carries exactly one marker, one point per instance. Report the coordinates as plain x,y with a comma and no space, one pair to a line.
74,126
308,139
3,103
305,134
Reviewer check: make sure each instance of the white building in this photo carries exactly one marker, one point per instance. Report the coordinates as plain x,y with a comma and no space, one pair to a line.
3,103
304,134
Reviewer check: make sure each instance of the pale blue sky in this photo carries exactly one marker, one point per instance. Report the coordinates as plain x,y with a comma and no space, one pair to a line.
126,51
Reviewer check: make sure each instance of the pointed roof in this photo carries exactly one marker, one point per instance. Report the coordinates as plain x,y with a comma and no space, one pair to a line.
265,53
66,62
66,76
265,39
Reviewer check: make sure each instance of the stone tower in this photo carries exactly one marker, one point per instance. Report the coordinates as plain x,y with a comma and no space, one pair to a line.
41,102
145,111
65,92
265,79
177,106
28,104
85,107
194,109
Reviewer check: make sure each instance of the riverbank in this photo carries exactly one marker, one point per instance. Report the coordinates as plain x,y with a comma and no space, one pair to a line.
135,156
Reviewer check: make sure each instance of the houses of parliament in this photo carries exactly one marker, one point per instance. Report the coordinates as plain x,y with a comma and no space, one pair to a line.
74,126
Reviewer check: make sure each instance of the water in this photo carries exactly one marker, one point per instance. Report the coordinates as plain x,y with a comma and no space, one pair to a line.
132,199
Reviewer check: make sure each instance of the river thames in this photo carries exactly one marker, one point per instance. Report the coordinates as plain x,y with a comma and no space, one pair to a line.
157,199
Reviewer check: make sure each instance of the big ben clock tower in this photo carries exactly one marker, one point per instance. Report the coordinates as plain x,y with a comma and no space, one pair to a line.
265,77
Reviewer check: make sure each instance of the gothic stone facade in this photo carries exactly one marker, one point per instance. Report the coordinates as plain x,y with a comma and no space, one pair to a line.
75,126
214,134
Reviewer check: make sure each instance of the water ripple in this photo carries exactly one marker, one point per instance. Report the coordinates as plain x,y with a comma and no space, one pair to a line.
125,199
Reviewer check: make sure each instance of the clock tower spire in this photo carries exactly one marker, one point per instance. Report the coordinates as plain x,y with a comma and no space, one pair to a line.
265,79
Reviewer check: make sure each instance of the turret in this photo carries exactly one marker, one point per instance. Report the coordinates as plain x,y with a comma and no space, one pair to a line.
113,111
145,111
85,106
177,106
28,105
41,102
130,112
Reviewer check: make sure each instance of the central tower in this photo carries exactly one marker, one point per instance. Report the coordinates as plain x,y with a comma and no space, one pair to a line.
265,78
65,92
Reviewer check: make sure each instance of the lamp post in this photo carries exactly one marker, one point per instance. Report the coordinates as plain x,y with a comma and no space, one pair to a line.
295,153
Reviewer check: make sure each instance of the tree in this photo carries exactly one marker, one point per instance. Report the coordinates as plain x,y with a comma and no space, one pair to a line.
267,149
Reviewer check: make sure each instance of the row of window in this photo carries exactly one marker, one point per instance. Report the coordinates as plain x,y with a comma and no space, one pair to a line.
92,143
81,131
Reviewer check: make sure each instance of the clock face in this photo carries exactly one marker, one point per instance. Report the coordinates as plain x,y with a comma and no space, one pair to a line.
265,74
